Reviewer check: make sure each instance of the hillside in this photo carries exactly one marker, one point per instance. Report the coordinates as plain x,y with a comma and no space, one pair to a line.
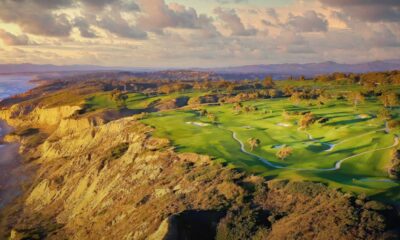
103,175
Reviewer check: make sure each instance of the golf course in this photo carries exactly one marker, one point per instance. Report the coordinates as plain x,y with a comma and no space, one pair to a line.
347,146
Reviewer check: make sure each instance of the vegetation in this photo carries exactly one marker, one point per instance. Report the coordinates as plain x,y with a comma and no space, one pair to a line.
315,117
284,152
308,146
254,143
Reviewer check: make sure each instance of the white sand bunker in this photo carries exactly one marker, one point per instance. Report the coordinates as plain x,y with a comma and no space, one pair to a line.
284,124
363,116
198,124
248,127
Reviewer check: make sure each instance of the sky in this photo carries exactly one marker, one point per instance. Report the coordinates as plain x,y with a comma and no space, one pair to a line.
197,33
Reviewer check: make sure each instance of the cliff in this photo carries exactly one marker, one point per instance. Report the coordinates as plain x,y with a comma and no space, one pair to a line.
103,177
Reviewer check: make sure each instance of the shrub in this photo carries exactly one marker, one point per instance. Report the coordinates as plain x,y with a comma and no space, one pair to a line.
239,223
307,188
377,206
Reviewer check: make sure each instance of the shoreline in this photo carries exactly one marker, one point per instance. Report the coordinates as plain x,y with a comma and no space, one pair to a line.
11,174
24,84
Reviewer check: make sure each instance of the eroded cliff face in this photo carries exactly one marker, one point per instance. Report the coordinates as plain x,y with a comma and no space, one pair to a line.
100,178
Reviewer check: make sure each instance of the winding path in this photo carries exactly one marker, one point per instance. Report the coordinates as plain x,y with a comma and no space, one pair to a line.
337,166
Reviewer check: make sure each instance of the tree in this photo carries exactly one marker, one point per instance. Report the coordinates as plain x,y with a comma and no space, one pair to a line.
203,112
384,114
230,88
238,107
212,117
306,120
323,99
284,152
167,89
119,98
268,82
254,143
355,98
272,93
389,99
288,90
296,98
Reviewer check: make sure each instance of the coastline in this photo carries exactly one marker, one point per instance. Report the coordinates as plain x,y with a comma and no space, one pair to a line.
10,167
12,170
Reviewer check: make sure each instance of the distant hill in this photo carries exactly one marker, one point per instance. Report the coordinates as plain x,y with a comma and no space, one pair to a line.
312,68
35,68
278,71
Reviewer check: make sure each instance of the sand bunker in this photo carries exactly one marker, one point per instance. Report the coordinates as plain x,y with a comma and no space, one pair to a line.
198,124
284,124
363,116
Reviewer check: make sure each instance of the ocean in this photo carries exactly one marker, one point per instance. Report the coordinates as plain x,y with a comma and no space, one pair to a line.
10,175
13,84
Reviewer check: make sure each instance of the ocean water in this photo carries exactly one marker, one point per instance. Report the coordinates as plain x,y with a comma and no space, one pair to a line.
14,84
10,176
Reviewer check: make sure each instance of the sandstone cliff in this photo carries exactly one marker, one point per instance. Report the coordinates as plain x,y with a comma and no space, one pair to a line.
103,178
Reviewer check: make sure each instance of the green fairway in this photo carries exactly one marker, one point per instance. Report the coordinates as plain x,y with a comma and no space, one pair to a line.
351,151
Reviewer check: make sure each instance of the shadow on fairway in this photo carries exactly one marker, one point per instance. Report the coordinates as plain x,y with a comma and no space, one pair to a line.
317,148
351,150
347,122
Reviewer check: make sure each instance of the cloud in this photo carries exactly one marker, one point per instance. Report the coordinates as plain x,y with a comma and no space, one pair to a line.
98,4
84,28
116,24
231,1
382,37
14,40
234,23
194,32
37,17
310,21
368,10
156,15
271,12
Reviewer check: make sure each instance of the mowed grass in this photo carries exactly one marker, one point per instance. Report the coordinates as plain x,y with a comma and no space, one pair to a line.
366,172
135,101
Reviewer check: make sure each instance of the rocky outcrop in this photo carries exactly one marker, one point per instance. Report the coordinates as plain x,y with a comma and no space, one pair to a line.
26,115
